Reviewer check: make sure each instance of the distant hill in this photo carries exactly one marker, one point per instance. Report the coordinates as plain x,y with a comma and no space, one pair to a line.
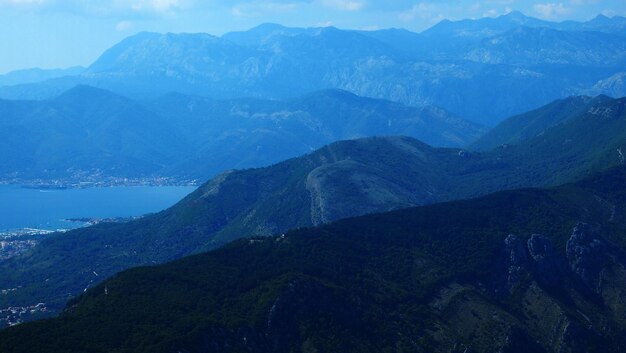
84,131
88,131
344,179
20,77
461,66
246,133
517,271
531,124
527,46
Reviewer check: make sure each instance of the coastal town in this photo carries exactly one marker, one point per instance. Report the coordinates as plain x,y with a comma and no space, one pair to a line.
16,242
15,315
82,181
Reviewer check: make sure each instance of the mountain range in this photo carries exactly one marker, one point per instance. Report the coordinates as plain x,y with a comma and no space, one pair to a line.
20,77
344,179
88,131
518,271
461,66
356,201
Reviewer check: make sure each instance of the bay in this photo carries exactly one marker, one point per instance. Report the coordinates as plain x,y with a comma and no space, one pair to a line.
49,209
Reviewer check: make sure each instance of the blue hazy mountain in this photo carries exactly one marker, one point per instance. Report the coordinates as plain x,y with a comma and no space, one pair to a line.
536,122
84,131
546,46
89,131
600,23
614,86
262,35
461,66
35,75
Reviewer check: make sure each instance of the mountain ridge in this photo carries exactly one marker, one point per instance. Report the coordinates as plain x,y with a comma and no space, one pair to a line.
343,179
415,69
195,138
453,274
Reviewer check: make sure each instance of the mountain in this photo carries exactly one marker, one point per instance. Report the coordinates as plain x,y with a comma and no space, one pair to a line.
460,66
536,122
26,76
600,23
246,133
614,86
344,179
262,35
527,46
85,130
478,29
88,131
518,271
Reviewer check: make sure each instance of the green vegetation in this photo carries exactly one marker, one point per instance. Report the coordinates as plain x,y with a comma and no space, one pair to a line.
420,279
534,123
345,179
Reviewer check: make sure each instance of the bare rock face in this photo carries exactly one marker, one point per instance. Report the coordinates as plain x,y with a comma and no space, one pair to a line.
547,264
536,258
588,254
516,262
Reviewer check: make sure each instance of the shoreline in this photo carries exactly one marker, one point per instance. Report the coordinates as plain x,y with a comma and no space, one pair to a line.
65,184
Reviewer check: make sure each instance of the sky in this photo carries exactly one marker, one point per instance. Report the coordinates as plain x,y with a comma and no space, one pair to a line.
65,33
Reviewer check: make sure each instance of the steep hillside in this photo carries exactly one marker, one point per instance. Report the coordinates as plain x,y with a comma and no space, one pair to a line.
518,271
534,123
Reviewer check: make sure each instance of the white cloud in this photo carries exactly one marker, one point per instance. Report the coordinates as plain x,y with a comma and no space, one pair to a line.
124,26
491,13
422,11
256,9
23,3
153,5
551,10
344,5
324,24
104,7
609,13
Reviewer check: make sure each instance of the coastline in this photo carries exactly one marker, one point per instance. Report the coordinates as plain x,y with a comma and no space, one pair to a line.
84,183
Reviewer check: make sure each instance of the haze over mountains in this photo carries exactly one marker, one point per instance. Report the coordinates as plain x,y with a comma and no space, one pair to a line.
89,132
344,179
462,66
357,200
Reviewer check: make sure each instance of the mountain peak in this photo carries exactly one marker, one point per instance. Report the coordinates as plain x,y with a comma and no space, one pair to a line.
601,16
519,18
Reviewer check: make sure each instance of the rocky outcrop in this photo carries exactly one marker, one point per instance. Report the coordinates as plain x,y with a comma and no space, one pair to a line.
588,254
548,265
537,258
516,261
